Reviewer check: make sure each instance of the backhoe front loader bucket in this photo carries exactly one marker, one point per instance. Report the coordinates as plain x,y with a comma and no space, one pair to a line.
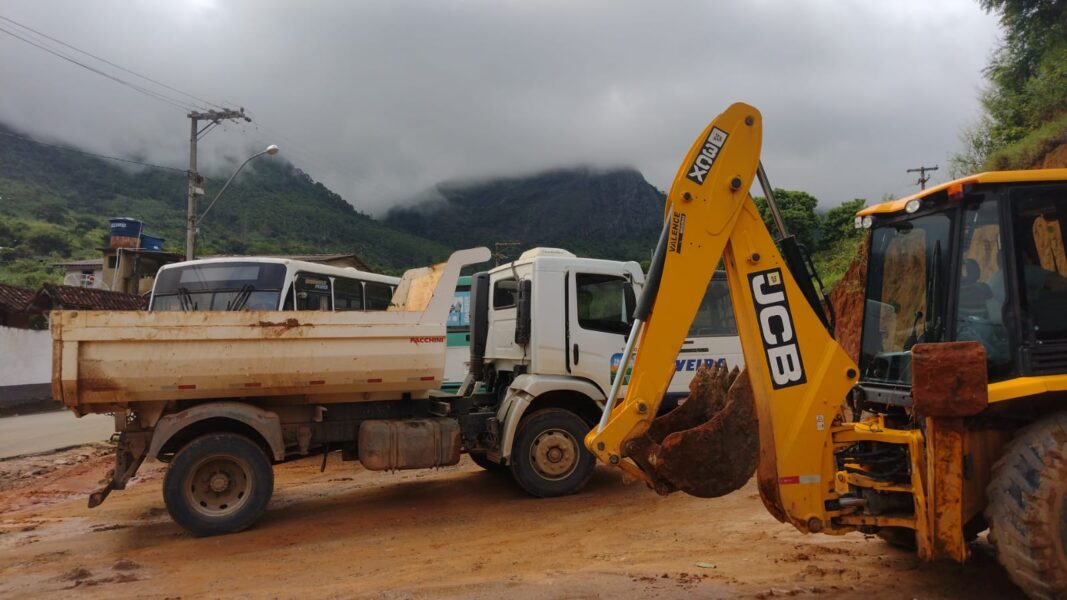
708,446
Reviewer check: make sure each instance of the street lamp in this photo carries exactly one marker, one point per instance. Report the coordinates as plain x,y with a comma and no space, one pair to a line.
194,223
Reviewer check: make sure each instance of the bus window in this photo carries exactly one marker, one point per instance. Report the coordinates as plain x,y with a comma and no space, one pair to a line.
716,313
347,294
378,295
312,292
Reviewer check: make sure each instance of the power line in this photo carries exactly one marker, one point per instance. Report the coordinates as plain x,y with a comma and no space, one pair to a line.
107,62
68,149
150,93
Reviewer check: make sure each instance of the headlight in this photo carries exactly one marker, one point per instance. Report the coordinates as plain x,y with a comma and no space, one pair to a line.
868,221
912,206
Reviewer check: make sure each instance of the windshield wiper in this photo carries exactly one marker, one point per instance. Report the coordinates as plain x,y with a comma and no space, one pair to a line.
241,298
186,299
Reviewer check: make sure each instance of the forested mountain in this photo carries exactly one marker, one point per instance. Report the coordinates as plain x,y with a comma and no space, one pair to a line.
55,203
604,214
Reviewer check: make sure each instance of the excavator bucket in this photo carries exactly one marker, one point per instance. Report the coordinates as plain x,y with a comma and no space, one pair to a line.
709,445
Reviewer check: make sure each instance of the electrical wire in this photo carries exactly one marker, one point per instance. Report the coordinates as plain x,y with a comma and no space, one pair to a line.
107,62
150,93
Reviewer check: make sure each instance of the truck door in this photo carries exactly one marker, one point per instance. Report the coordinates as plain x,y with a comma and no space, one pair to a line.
599,308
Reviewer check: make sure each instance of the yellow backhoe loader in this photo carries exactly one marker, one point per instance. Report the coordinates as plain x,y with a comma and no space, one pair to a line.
954,417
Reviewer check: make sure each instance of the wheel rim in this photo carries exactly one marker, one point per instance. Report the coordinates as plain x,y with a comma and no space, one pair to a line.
554,454
218,486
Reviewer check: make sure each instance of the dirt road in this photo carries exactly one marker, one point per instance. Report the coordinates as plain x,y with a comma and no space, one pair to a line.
26,434
454,533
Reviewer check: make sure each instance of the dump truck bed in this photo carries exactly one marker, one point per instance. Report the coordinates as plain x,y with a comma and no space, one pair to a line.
103,361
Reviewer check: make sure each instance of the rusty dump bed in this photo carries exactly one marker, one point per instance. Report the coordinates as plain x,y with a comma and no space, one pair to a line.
104,360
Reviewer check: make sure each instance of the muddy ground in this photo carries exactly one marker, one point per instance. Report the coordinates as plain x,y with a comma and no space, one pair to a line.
455,533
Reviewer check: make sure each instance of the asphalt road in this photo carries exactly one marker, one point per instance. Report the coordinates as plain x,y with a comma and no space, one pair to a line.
42,432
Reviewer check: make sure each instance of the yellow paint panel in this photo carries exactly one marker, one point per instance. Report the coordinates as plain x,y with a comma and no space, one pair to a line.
1022,387
1028,176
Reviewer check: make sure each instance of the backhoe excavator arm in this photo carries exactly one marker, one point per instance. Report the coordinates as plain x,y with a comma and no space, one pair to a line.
798,375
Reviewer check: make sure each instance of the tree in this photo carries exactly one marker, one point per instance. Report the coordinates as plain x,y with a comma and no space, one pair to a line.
1027,76
839,223
798,212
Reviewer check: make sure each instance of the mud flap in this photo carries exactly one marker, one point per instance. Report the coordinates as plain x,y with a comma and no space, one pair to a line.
708,446
129,454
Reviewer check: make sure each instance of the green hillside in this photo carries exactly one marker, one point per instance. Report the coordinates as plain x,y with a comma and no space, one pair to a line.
54,205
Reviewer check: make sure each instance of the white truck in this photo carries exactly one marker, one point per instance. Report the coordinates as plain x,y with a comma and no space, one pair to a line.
221,396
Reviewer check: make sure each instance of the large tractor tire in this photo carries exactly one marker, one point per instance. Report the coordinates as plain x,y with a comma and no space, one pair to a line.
1027,508
549,457
218,483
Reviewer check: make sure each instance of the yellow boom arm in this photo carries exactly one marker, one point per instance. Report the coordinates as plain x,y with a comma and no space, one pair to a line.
799,375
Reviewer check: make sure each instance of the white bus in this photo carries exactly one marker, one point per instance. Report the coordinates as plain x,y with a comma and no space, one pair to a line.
263,283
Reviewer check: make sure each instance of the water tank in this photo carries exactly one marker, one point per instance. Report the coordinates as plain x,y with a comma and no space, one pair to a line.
151,242
126,232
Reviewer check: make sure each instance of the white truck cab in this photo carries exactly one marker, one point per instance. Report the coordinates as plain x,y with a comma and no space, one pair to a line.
547,336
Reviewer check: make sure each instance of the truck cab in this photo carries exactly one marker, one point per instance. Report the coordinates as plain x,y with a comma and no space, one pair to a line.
547,337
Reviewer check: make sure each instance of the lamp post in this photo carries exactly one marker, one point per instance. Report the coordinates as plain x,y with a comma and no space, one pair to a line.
194,221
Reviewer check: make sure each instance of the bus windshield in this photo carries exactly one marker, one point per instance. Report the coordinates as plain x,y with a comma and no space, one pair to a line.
219,286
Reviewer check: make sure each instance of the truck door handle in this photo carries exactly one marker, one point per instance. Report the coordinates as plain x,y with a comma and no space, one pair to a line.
576,354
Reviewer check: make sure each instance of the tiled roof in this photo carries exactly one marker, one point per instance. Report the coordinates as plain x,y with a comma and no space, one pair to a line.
14,298
71,297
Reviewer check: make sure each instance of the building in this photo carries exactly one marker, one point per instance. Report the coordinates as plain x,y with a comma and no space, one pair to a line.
66,297
14,301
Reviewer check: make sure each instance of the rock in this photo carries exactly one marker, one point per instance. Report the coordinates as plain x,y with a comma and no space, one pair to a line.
125,564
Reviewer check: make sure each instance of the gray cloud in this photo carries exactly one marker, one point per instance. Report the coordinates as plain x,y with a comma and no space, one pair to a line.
381,100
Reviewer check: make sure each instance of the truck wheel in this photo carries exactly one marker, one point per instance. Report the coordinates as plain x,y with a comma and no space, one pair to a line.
1027,508
218,483
549,458
482,461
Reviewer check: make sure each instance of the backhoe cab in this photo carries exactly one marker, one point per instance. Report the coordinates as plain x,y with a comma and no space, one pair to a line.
963,348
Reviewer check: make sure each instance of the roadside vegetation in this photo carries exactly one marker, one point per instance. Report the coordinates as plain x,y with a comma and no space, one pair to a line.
1024,120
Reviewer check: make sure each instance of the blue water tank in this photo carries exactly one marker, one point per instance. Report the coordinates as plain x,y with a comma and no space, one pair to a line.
151,242
125,232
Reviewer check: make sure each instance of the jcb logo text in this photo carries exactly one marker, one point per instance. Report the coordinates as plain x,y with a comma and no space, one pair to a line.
776,329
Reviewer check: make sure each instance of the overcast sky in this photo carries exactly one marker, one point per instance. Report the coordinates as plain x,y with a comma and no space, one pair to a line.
381,100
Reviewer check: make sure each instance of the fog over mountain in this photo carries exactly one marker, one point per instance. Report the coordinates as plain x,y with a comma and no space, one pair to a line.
382,100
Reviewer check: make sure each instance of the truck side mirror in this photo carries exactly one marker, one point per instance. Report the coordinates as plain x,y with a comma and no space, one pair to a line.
523,322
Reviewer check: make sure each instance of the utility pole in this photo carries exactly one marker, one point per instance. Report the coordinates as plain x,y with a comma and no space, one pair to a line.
923,177
213,118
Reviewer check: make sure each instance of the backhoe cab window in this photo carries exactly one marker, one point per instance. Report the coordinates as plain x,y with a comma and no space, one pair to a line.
605,303
907,287
980,303
1040,222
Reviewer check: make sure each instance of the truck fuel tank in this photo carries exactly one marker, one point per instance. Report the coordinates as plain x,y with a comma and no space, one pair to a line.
389,444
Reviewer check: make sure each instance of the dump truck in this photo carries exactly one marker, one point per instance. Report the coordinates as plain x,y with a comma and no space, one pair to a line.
953,420
223,395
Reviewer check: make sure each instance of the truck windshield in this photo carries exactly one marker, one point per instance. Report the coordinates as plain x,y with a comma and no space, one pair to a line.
907,285
223,286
